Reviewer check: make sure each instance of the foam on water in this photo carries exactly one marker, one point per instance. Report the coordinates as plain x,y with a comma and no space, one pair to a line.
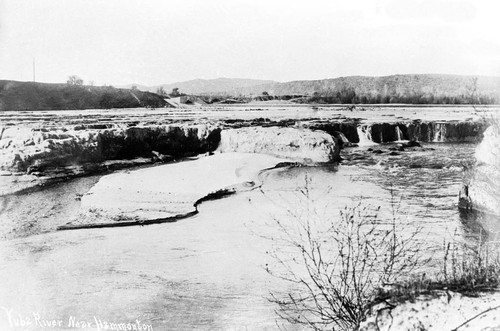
365,136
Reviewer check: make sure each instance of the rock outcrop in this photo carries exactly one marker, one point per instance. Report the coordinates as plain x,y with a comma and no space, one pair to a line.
38,150
347,128
40,146
482,192
171,191
432,131
290,143
35,150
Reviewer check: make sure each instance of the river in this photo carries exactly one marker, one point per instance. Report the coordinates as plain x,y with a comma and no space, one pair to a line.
209,271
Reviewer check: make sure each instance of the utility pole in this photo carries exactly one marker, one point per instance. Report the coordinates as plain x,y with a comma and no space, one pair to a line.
33,70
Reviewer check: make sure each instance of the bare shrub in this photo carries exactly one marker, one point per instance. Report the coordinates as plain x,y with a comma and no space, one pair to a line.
468,268
336,264
471,267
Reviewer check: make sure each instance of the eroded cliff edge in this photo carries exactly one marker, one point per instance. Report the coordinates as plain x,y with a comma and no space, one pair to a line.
481,191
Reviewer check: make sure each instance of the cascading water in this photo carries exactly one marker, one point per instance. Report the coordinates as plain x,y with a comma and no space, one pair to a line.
365,136
439,132
399,134
343,138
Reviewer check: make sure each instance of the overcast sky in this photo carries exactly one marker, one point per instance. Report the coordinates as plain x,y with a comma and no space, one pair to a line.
152,42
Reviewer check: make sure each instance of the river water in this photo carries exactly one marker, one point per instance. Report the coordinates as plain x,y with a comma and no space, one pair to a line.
366,113
209,271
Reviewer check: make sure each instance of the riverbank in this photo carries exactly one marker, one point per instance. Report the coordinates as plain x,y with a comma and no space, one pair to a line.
441,310
41,210
35,96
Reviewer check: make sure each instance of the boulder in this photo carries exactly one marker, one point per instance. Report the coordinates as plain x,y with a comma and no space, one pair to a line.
292,143
411,143
482,192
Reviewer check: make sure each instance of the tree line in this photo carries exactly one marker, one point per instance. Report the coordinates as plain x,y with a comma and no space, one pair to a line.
348,95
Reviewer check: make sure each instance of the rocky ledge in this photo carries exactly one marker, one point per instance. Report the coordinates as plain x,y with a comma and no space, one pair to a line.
33,150
291,143
33,156
36,148
172,191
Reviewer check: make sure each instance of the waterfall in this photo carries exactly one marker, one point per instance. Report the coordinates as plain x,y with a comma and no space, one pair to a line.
399,134
343,138
365,136
439,132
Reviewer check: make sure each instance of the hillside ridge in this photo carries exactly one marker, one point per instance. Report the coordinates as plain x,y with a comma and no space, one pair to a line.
16,95
390,85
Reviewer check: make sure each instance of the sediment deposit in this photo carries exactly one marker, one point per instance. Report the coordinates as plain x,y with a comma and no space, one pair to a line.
443,311
170,190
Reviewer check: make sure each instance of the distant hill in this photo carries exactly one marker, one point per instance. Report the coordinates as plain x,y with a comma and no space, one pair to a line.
422,88
437,85
229,86
16,95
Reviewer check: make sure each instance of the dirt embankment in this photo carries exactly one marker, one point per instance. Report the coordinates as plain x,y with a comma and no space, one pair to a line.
43,96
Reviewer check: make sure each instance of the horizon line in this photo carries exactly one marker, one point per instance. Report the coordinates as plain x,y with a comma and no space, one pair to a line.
258,79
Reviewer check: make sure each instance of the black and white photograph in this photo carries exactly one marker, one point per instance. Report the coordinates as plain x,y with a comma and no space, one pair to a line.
250,165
